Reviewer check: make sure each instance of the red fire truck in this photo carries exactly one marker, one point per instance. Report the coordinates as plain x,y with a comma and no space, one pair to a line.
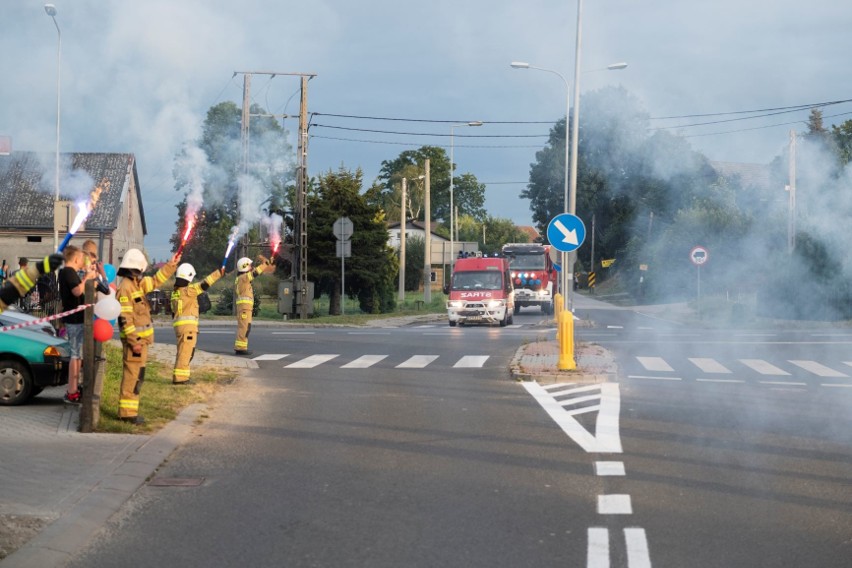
480,292
533,275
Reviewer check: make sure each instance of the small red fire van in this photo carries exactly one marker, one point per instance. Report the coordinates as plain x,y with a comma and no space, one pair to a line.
481,291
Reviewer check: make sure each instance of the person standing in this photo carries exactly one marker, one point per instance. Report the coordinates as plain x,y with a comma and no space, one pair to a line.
185,314
136,328
72,288
244,294
22,281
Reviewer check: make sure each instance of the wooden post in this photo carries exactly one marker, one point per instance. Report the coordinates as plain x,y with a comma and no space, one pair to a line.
93,370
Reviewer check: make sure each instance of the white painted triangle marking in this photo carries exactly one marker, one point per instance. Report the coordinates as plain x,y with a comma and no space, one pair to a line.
606,438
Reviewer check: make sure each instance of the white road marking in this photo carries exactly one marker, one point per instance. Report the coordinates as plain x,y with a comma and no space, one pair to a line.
470,361
719,381
654,378
654,364
638,555
709,365
614,505
270,357
609,468
579,399
763,367
294,333
363,362
570,390
220,331
310,362
849,363
615,327
836,385
818,369
606,438
584,410
417,362
597,555
368,333
783,383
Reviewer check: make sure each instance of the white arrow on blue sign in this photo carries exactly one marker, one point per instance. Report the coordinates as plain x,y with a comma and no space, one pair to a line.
566,232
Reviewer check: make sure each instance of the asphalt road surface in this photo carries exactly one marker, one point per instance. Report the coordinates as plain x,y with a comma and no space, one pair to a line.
412,447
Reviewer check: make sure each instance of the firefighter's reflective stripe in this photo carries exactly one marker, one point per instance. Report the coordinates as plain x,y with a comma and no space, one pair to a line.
128,404
24,279
245,300
147,331
181,374
127,330
241,344
185,320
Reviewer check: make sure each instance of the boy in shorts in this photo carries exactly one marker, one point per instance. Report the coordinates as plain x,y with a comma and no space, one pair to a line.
71,289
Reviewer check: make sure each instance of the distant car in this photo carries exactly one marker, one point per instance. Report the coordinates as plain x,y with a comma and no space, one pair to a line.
159,301
31,358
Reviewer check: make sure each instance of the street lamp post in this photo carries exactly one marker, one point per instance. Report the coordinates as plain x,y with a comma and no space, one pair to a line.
50,10
570,173
452,207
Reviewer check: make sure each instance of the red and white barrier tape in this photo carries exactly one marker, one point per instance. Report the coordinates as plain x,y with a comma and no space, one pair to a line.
45,319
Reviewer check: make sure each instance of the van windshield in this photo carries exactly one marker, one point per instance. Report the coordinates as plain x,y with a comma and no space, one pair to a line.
479,280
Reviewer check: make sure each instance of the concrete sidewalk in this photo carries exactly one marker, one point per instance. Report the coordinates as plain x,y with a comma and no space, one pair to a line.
60,486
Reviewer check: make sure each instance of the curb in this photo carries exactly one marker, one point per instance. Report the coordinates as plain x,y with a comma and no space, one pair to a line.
595,364
58,542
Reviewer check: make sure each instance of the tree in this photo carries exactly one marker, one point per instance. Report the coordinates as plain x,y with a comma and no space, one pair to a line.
491,234
370,269
468,193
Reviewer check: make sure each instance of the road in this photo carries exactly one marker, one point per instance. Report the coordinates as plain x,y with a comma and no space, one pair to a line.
412,447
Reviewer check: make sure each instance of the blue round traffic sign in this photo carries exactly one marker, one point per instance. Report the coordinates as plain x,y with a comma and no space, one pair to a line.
566,232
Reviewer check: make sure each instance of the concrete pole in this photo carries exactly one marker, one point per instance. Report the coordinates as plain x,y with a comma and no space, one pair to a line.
575,130
402,242
427,253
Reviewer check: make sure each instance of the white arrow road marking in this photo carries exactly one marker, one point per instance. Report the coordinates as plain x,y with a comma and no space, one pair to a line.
570,236
606,438
363,362
310,362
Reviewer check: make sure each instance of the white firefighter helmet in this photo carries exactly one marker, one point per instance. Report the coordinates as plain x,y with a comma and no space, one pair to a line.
244,264
134,259
185,271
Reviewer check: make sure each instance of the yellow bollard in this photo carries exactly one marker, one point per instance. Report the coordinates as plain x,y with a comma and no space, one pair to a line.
557,306
566,341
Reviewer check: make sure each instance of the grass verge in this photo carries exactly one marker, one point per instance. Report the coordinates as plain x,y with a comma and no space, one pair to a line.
161,401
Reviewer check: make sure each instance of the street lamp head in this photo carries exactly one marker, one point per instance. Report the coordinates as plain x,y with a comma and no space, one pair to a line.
475,123
50,9
519,65
614,66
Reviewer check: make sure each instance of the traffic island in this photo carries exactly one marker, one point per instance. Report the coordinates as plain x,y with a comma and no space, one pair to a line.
538,361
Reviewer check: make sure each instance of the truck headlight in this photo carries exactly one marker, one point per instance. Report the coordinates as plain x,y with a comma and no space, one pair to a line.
493,304
455,304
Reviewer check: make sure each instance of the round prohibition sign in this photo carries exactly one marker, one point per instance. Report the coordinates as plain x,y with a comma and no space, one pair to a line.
699,255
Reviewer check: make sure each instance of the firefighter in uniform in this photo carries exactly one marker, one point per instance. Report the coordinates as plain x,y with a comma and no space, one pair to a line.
135,326
185,314
23,280
245,300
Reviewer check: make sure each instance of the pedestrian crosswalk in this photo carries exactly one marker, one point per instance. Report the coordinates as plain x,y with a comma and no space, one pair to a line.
367,361
705,367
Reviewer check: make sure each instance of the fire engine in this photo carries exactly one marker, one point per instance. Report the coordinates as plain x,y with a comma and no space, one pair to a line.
533,275
480,292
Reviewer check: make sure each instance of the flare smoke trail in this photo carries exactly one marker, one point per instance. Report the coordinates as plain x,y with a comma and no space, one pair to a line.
273,224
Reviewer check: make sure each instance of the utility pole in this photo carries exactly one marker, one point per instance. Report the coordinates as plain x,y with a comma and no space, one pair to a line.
791,210
427,264
402,242
245,124
301,214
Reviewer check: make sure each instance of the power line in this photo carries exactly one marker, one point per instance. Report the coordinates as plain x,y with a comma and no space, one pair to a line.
413,144
747,129
431,120
432,134
792,108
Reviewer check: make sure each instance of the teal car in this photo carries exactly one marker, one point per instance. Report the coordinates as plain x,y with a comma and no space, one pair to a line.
30,360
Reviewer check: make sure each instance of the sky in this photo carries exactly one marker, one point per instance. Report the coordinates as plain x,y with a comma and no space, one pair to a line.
139,77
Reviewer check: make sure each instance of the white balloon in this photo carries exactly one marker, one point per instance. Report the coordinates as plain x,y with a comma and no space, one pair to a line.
108,308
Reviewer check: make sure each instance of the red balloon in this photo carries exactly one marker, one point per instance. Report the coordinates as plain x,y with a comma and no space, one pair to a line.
102,330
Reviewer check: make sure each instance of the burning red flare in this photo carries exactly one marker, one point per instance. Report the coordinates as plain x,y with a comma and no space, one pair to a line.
190,223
